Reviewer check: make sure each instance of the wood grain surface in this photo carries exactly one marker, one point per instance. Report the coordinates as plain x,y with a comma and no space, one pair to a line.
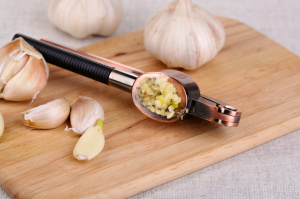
252,72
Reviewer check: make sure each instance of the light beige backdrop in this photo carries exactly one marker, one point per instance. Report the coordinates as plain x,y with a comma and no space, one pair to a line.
268,171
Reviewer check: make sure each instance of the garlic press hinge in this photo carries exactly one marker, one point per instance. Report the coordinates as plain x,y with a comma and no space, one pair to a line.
215,111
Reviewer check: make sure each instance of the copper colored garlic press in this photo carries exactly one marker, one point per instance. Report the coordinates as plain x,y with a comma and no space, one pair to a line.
128,79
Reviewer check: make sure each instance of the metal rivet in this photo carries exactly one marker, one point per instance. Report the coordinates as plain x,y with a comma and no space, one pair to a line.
230,107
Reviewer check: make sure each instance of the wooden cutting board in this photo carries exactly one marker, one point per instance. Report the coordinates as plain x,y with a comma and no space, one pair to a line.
252,72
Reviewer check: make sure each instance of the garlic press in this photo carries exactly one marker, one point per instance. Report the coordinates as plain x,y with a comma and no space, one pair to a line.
128,79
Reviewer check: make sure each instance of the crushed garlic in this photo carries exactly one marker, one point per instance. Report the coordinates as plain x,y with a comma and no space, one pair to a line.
159,96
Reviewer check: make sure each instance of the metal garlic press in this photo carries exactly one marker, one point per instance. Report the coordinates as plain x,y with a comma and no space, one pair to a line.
128,79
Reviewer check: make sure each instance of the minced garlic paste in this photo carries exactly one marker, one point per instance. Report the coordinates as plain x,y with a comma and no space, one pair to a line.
159,96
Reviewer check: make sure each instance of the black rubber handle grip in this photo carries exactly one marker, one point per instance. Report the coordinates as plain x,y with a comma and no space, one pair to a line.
70,61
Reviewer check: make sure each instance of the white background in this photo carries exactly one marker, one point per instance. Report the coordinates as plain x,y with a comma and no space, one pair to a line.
269,171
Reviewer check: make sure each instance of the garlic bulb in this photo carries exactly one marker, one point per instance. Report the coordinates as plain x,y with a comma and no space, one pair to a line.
85,112
184,35
1,124
47,116
81,18
23,71
91,143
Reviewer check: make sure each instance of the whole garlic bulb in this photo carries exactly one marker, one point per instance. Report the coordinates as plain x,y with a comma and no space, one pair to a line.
23,71
184,35
81,18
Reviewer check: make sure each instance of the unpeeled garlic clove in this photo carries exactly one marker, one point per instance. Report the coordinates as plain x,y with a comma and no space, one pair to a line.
91,143
85,112
82,18
23,71
1,124
184,35
47,116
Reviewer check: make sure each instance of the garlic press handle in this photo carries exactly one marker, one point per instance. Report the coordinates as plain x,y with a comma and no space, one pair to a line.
113,76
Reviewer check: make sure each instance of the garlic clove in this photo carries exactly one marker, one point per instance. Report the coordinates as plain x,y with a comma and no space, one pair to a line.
184,35
23,71
85,112
90,144
12,67
82,18
47,116
1,124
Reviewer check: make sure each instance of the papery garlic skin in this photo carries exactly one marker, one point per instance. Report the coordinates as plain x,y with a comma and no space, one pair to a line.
184,35
23,71
85,113
90,144
47,116
81,18
1,124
